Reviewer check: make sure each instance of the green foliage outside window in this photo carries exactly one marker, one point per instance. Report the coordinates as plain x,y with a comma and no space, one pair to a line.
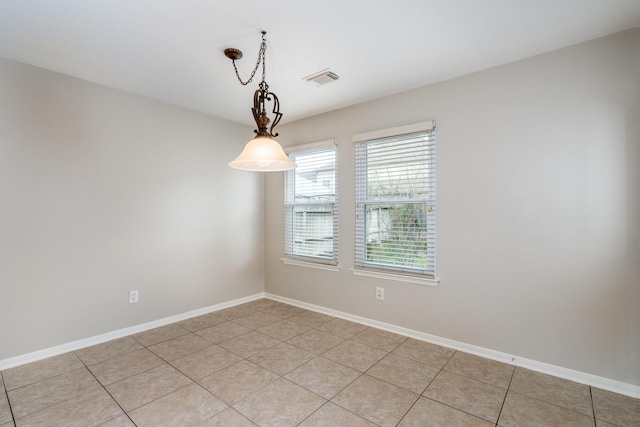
399,235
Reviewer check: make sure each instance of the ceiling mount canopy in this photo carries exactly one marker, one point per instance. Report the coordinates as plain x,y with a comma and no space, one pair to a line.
263,153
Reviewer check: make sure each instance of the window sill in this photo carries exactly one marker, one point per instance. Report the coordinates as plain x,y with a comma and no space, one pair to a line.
308,264
397,277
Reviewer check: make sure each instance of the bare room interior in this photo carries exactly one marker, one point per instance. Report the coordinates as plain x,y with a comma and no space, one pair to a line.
147,280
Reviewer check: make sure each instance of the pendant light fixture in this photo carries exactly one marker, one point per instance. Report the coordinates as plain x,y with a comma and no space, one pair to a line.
263,153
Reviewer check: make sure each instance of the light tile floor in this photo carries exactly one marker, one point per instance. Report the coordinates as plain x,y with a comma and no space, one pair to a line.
266,363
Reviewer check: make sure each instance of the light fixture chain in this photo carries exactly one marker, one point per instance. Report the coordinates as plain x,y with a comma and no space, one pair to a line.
264,59
261,58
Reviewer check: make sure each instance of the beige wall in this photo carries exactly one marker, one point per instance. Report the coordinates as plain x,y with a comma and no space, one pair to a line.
538,208
102,192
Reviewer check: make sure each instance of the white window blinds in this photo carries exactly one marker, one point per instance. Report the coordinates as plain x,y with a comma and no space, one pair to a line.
311,196
396,200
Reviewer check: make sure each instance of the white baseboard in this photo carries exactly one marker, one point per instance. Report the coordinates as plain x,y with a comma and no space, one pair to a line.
569,374
557,371
99,339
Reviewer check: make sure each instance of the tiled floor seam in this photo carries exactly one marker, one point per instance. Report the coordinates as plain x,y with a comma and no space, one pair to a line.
513,372
311,414
390,383
593,406
423,390
409,408
164,395
461,410
333,403
342,389
312,329
45,408
452,407
107,391
6,393
553,404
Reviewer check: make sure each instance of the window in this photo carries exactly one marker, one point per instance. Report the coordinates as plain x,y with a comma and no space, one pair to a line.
395,200
311,203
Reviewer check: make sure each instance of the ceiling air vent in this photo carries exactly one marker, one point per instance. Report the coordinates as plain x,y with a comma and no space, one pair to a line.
322,77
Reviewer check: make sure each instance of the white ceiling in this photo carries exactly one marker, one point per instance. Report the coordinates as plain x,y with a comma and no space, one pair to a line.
172,50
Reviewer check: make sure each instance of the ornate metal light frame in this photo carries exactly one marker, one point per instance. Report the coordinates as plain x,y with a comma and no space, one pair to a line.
263,153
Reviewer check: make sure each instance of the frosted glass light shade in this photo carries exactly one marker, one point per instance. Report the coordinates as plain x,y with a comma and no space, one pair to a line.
263,154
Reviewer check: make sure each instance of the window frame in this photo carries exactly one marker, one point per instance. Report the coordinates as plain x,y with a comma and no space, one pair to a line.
362,266
290,257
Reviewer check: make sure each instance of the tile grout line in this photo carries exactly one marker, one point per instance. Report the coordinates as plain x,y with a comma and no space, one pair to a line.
505,395
6,393
556,405
106,391
427,386
593,406
458,409
343,388
40,381
419,394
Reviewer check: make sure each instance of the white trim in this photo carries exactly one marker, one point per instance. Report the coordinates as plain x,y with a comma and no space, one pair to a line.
397,277
558,371
99,339
569,374
309,264
327,143
400,130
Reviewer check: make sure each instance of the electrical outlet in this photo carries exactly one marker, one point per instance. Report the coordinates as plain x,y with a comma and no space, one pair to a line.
133,297
380,293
